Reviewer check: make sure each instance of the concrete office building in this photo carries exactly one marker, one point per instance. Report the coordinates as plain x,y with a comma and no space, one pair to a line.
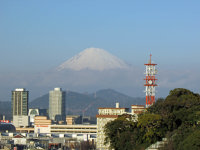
105,115
64,129
21,121
57,104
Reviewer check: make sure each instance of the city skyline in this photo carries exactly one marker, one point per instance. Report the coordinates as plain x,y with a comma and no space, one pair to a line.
37,36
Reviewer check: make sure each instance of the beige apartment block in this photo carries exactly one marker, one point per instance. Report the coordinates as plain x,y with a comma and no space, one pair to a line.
106,115
42,120
42,124
136,110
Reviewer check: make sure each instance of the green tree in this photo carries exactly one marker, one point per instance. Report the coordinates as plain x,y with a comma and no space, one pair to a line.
176,117
122,133
153,127
182,119
192,141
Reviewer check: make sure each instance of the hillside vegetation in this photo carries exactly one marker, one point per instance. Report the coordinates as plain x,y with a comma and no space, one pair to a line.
177,118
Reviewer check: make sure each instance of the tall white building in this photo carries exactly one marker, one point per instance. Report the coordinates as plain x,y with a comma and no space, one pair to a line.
57,104
105,115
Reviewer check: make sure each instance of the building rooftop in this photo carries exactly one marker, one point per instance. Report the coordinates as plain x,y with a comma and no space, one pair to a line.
111,108
20,89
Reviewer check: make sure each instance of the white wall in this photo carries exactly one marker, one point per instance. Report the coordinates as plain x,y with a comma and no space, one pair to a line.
21,121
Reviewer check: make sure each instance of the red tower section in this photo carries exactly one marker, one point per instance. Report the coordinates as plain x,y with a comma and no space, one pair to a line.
150,82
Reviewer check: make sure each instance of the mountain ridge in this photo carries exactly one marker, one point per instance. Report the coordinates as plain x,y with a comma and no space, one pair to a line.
80,103
77,103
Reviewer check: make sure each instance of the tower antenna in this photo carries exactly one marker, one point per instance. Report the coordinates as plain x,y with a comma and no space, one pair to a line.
150,58
150,82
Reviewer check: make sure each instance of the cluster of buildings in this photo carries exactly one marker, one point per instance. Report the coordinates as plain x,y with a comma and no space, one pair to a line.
54,128
48,133
23,117
51,126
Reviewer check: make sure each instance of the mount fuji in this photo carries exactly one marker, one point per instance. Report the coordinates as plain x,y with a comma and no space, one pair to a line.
93,59
90,70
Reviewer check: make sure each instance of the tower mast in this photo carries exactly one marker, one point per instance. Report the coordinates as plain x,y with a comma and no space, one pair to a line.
150,82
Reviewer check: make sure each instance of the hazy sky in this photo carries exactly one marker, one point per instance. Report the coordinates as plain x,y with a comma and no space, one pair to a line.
37,35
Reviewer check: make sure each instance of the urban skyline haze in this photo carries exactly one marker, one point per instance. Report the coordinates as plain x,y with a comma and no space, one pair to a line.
38,36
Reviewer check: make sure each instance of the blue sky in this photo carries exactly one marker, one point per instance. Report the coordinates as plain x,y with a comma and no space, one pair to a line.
39,35
45,33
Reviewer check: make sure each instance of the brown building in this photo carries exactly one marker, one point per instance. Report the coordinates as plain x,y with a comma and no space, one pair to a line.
42,120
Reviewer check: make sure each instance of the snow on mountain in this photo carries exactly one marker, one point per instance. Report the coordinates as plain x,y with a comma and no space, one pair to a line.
93,59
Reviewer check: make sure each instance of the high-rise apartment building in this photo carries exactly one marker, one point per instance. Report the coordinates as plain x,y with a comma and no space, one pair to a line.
20,102
20,107
57,104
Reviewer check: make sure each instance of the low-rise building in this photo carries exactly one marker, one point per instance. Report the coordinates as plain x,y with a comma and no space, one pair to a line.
105,115
73,119
19,139
42,124
137,109
21,121
42,120
78,128
36,112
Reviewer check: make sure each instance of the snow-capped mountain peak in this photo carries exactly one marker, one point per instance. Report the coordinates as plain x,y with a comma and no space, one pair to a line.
93,59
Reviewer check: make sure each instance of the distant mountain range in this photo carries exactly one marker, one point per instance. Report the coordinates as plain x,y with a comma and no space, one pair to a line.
89,70
79,103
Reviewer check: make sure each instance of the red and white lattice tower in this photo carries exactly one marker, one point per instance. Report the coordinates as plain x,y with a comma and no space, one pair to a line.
150,82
